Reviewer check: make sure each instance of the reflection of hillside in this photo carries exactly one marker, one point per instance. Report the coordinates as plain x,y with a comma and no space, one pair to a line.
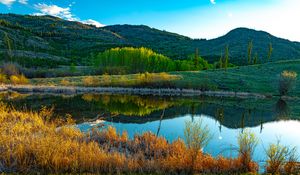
237,118
228,116
128,105
90,106
231,113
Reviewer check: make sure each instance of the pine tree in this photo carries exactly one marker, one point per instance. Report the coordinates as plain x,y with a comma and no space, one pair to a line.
270,51
221,61
196,58
8,45
226,57
255,58
249,54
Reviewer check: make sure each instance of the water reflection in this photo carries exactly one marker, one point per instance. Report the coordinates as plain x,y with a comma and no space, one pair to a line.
222,140
282,109
231,113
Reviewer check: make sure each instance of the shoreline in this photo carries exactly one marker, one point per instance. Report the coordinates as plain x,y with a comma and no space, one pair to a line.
129,91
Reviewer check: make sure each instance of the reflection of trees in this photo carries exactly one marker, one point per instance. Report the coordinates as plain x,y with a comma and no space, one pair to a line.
282,109
159,126
128,105
12,95
230,113
220,117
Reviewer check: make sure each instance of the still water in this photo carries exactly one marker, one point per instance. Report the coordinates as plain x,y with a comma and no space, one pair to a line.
271,119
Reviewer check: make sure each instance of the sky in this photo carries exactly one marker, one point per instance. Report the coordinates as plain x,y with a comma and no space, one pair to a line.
194,18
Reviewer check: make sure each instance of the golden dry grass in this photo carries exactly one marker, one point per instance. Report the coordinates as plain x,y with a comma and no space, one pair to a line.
14,79
38,142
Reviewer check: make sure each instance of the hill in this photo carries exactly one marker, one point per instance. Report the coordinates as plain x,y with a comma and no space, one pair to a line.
62,42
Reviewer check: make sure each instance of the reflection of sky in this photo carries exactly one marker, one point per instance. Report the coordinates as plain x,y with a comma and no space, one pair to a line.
287,131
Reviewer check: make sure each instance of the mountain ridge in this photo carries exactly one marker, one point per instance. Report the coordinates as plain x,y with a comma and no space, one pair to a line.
78,41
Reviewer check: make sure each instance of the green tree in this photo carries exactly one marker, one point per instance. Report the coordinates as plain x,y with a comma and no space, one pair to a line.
226,61
221,61
270,51
249,53
137,60
255,59
196,58
72,68
8,45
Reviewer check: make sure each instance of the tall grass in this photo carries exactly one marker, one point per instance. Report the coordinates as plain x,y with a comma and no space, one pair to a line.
247,143
282,159
39,142
197,137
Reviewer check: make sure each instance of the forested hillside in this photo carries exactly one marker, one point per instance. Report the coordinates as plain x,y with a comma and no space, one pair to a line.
50,41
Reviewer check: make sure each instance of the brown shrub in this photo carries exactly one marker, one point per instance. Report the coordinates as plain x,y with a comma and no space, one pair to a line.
18,79
286,82
65,82
3,78
91,81
10,69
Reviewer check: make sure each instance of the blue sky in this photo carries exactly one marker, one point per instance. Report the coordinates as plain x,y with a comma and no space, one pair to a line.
193,18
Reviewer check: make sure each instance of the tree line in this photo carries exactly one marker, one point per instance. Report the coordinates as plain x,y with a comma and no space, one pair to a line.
255,59
134,60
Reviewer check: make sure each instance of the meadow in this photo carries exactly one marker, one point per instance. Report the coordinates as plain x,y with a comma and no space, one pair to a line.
262,78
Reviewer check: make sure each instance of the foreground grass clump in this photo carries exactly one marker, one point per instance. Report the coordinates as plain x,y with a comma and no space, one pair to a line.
30,143
282,159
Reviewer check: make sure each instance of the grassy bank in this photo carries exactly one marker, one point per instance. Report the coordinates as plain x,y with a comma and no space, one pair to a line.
256,79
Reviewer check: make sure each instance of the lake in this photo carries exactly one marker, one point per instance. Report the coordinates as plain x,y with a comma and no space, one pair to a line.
270,119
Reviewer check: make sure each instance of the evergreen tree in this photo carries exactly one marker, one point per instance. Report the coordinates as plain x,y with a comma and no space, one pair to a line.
8,45
270,51
226,61
196,58
72,68
249,54
221,61
255,59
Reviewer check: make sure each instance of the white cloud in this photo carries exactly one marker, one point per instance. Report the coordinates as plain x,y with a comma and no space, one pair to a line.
93,22
54,10
64,13
23,1
7,2
213,1
10,2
